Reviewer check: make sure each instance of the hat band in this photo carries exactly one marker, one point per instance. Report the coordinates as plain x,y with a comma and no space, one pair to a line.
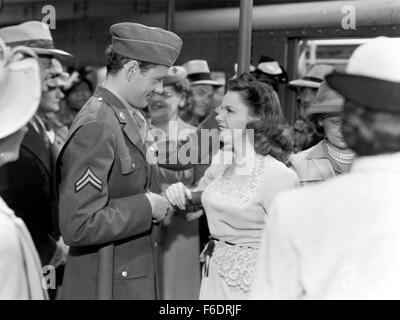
199,77
313,79
36,43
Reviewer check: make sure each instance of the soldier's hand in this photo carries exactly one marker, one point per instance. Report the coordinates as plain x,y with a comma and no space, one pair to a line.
178,194
159,205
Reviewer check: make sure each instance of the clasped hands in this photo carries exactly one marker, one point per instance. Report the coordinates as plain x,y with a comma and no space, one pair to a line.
175,196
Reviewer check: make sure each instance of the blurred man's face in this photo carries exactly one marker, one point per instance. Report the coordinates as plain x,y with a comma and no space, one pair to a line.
202,95
78,96
218,96
51,93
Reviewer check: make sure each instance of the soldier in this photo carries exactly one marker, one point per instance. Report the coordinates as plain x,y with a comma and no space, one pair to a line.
108,191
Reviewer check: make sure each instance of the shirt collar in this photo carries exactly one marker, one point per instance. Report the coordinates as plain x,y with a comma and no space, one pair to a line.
319,151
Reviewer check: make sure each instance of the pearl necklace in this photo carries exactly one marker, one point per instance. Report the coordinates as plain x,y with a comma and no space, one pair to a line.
345,158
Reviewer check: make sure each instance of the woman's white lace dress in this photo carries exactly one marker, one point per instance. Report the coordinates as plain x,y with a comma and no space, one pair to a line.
236,215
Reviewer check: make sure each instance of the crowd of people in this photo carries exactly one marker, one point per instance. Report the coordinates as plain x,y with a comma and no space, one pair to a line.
119,175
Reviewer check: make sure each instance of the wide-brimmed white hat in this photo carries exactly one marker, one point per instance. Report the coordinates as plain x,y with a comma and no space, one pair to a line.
33,34
19,88
314,77
198,72
372,77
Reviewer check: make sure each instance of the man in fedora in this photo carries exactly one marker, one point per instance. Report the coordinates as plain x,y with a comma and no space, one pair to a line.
203,87
331,156
270,71
307,134
106,176
340,239
27,184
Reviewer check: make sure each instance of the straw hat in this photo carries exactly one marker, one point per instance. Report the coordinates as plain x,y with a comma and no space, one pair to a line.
198,72
33,34
19,88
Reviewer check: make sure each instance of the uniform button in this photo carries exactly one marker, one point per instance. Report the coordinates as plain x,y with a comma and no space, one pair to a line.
99,98
155,244
124,274
122,116
133,165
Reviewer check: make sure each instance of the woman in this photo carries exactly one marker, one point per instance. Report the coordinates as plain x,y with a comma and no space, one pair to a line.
340,239
20,273
237,195
180,268
331,156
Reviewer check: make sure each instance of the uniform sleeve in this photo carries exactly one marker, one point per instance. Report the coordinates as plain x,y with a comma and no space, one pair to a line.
277,274
87,214
199,147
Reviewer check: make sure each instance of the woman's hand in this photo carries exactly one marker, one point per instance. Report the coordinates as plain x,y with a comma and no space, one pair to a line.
177,194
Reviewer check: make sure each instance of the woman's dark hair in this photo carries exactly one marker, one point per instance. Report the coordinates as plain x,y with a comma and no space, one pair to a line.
369,132
82,80
116,61
271,135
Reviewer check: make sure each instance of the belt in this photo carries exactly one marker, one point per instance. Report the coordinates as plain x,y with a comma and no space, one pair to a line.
208,252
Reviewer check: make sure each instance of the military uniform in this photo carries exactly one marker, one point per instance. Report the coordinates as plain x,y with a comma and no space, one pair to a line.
102,200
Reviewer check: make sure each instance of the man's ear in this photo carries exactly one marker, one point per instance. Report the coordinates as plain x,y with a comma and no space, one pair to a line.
131,69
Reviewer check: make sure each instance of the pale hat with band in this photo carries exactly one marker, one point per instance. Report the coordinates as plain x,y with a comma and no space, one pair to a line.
198,73
33,34
314,77
19,88
143,43
175,74
372,77
328,103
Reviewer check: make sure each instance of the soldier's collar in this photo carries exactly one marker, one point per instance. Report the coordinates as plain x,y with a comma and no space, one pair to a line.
113,101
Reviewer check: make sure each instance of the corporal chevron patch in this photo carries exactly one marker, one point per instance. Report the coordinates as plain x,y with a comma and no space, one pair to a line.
88,178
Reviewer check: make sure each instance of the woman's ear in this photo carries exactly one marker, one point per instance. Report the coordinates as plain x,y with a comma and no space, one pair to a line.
181,103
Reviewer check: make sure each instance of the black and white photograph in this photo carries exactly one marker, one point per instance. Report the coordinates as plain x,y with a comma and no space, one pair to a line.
202,155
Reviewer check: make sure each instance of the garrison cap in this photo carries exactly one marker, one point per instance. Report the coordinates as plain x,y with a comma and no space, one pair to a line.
149,44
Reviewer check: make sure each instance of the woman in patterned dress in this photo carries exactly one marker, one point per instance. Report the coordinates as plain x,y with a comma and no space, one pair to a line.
239,185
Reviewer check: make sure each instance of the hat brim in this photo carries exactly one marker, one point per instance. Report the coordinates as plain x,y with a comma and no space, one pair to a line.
52,52
17,109
335,106
210,82
374,93
304,84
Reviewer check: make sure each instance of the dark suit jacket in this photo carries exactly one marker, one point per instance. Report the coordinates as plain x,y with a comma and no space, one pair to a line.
26,185
103,175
